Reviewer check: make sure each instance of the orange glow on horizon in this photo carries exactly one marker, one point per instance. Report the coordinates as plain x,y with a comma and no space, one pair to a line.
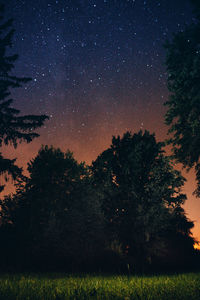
89,141
197,246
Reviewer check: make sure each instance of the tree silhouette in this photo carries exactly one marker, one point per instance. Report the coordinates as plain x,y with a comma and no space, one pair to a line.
8,167
55,213
178,238
65,215
183,114
14,128
140,190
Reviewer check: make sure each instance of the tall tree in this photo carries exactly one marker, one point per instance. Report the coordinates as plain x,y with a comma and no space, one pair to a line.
140,190
55,213
183,106
14,127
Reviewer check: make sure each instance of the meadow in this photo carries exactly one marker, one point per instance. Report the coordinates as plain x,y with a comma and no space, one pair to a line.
63,286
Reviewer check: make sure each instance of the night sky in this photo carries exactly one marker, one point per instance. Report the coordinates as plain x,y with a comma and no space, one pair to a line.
98,70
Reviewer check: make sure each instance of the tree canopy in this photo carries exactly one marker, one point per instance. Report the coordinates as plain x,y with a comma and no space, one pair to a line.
55,212
140,193
125,208
14,127
183,106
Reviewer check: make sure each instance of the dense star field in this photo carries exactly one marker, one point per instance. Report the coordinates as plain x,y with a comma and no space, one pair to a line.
98,70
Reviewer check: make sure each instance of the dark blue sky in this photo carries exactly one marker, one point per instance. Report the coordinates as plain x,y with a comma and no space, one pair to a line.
98,70
102,58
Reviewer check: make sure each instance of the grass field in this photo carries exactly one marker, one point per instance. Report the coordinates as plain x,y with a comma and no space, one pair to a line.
60,287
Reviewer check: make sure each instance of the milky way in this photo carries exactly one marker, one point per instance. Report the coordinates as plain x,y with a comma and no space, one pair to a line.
98,70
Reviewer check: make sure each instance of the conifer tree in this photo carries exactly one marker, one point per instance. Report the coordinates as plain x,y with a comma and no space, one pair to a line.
14,127
183,106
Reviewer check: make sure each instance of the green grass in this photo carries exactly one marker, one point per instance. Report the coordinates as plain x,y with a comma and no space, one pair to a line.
61,286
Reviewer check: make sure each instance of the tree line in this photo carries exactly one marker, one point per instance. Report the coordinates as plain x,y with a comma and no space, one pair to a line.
124,212
125,207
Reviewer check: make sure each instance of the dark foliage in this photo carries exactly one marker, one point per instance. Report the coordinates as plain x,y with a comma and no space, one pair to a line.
183,114
14,127
141,198
122,214
55,213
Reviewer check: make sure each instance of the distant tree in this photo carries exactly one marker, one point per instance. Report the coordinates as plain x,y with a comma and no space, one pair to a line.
140,190
178,239
8,167
55,213
183,106
13,127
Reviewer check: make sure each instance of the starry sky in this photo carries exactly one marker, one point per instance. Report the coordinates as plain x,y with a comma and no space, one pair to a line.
98,70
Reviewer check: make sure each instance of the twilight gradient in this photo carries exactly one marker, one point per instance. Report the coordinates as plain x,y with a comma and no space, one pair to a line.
98,70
